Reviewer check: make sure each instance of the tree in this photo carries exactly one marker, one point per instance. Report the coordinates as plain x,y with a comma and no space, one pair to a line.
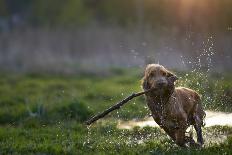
3,9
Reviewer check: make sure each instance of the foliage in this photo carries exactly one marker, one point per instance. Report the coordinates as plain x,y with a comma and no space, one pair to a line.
53,12
210,16
3,10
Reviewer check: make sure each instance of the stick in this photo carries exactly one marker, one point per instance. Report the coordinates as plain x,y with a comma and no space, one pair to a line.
117,106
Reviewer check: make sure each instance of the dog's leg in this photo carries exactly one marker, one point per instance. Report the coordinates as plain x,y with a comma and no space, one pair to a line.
180,138
170,133
199,134
197,126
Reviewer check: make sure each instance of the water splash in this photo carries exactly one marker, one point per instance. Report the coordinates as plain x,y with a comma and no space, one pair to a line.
198,78
87,143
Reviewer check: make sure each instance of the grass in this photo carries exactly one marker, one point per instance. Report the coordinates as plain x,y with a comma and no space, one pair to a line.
44,114
72,138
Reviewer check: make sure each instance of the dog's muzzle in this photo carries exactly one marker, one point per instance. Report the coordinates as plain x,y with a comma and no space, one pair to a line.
161,83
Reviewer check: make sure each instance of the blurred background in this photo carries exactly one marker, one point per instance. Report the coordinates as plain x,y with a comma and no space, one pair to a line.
69,36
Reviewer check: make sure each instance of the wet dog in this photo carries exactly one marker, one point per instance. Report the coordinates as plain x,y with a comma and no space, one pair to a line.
173,109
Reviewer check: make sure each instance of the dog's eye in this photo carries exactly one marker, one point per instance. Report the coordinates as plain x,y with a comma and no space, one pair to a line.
163,74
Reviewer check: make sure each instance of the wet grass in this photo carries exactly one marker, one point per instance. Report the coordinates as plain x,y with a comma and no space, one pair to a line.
43,113
72,138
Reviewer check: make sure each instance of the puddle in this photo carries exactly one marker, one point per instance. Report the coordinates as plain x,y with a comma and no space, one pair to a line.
212,118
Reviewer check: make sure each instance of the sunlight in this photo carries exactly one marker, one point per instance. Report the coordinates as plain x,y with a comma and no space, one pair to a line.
187,8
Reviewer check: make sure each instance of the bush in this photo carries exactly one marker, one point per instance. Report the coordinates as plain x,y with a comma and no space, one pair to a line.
75,110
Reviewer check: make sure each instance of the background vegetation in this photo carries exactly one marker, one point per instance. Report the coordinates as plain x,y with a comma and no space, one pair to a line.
64,36
208,16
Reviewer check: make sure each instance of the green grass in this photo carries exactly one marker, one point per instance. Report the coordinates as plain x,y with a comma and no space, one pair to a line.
72,138
44,114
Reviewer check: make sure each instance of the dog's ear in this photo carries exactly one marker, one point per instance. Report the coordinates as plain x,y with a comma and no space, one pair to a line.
145,84
172,76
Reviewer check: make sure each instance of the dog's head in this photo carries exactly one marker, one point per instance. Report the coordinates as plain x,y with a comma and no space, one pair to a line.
156,76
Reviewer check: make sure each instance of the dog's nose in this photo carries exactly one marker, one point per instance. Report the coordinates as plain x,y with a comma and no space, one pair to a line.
160,84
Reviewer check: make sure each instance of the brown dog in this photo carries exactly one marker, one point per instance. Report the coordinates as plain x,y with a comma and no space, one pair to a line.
173,109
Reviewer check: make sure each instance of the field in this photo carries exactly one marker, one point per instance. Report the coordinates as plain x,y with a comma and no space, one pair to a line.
45,114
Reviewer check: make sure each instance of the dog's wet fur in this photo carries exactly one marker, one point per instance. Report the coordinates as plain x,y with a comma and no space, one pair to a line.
173,109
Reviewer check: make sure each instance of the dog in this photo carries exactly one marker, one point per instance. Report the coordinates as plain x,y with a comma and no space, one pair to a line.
173,109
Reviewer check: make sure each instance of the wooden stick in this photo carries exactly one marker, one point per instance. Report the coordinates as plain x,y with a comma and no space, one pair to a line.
117,106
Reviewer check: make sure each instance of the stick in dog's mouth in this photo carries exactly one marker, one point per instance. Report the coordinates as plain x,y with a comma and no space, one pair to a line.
119,104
